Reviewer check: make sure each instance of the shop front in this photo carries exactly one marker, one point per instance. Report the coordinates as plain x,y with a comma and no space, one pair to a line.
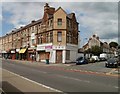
17,53
44,52
23,54
12,54
31,54
4,54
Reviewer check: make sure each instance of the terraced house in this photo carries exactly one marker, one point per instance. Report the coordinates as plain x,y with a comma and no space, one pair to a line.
54,37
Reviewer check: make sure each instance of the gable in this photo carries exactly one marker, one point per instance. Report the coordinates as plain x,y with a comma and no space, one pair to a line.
60,10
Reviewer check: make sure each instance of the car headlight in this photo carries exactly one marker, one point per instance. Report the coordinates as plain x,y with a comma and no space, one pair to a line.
81,61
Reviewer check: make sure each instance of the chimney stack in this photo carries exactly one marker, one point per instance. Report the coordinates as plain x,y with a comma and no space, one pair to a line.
46,7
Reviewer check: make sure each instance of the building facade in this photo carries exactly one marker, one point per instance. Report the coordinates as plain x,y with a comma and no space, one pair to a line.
54,37
95,41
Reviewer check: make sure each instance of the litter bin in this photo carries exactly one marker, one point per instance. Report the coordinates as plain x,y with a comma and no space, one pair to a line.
47,61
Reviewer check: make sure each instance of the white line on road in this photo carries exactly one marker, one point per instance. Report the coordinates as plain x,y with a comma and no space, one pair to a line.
116,87
74,78
35,82
40,71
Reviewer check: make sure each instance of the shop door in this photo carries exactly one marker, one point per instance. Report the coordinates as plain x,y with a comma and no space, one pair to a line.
59,56
42,55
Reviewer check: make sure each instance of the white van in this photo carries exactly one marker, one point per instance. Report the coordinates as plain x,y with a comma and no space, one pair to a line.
95,58
103,57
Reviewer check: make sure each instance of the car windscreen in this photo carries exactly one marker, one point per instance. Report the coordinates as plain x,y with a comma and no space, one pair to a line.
80,58
111,61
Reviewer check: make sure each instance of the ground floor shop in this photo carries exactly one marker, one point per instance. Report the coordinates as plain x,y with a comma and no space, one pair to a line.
31,53
9,54
56,54
23,54
44,52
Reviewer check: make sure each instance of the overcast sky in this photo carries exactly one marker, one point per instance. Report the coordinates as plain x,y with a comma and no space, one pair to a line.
99,18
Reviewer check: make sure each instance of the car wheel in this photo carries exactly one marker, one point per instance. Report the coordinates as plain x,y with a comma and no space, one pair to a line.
116,66
106,65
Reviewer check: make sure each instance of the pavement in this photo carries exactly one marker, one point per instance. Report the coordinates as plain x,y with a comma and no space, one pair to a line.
98,67
14,83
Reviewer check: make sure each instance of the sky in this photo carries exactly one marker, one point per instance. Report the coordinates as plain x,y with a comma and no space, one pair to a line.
99,18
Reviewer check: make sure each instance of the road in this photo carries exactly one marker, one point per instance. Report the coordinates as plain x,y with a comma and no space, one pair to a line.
94,67
66,81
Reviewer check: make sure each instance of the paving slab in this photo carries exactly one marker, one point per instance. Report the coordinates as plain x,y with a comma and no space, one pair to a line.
15,83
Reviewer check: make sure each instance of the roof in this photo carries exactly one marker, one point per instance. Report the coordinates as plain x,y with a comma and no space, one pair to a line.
60,8
50,15
84,46
33,23
70,15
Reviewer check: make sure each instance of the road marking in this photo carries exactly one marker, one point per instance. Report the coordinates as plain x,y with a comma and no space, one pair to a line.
1,91
35,82
39,71
74,78
116,87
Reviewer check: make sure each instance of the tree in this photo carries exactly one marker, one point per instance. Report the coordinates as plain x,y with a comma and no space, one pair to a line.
113,44
96,50
87,51
118,46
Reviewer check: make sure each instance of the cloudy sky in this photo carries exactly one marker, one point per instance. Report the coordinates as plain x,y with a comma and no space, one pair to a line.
99,18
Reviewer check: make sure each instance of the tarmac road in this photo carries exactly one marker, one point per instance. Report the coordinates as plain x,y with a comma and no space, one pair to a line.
62,80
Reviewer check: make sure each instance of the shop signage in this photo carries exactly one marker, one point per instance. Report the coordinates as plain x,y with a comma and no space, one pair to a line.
48,48
4,52
12,51
59,47
17,50
40,48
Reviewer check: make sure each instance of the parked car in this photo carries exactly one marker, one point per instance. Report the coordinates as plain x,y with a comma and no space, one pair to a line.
91,60
111,63
81,60
117,60
95,58
103,57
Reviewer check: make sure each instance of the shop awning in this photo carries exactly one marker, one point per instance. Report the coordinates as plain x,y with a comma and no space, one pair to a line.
22,51
4,52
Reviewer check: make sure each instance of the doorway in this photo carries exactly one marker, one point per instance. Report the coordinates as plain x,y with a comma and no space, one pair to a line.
58,56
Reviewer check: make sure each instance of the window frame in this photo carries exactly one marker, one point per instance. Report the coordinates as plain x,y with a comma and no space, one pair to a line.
59,21
59,36
67,54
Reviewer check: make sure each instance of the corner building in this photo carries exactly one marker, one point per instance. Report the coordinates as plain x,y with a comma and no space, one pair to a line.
57,38
54,37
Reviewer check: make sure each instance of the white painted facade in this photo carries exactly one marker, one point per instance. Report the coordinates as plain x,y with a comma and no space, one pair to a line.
52,59
73,52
